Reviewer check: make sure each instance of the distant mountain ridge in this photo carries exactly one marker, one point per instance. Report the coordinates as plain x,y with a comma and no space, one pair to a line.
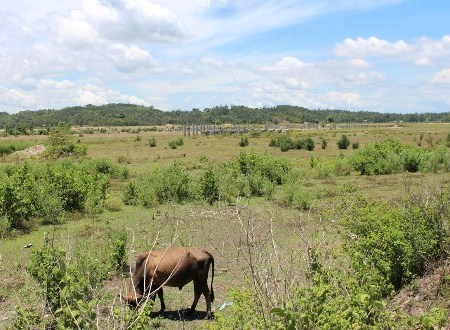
118,114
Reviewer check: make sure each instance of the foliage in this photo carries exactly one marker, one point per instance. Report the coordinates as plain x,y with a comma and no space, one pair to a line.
324,143
284,142
67,286
117,246
243,142
8,147
162,185
47,192
60,145
18,198
399,242
135,115
209,186
343,142
307,144
244,310
387,157
130,194
152,142
176,143
293,194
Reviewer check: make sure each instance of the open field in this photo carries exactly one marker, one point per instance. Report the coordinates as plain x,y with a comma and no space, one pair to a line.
258,227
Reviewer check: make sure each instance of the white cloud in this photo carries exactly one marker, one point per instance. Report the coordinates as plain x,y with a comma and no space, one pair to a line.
422,52
131,58
294,73
372,46
423,62
442,77
348,98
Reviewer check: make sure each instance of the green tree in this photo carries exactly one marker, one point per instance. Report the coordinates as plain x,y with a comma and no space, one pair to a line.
343,142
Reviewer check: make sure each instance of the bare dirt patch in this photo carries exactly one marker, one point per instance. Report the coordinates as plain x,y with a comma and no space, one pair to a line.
32,151
426,293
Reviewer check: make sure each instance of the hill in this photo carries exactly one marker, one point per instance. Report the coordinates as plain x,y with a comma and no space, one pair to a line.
133,115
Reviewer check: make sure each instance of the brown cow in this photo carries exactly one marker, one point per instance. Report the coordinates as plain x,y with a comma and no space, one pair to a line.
176,267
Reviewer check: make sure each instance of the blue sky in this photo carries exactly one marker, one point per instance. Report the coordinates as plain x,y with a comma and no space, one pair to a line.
374,55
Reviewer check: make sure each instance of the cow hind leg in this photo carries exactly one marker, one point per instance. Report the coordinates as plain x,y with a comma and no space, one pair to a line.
207,295
197,294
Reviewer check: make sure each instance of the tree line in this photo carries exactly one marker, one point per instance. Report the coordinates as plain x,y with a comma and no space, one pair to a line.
118,114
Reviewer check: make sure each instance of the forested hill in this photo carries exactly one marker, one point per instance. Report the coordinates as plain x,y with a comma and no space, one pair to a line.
132,115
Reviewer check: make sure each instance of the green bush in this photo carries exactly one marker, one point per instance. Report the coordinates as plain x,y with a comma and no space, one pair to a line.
209,186
152,142
243,142
19,202
8,147
162,185
283,142
232,183
176,143
66,287
387,157
343,142
117,246
130,194
272,168
306,143
399,242
60,144
47,192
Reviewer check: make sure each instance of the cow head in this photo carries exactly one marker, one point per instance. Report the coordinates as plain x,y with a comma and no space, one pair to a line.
133,299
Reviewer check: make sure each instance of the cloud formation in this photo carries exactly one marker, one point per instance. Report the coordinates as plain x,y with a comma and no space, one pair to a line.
181,54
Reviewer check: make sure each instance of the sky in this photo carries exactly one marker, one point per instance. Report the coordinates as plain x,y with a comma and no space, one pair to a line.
369,55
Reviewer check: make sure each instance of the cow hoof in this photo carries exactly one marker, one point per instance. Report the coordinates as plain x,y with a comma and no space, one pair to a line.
208,316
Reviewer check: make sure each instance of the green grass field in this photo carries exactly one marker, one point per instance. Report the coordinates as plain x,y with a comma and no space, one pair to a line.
279,234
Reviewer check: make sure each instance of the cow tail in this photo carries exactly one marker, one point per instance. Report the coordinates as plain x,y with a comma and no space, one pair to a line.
212,275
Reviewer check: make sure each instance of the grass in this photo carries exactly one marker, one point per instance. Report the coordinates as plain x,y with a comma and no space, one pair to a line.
220,228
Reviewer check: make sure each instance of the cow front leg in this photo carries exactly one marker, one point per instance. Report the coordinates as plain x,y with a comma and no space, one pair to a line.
161,300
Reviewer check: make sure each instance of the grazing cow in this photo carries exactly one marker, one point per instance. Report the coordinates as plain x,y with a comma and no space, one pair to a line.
176,267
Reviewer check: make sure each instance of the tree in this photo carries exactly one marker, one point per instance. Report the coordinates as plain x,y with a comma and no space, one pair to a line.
344,142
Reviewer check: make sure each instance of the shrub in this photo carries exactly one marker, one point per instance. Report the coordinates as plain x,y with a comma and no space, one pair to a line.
355,145
19,202
59,144
176,143
308,144
130,194
66,288
293,195
243,142
209,186
8,147
387,157
324,143
343,142
152,142
399,242
232,183
162,185
47,192
117,246
283,142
